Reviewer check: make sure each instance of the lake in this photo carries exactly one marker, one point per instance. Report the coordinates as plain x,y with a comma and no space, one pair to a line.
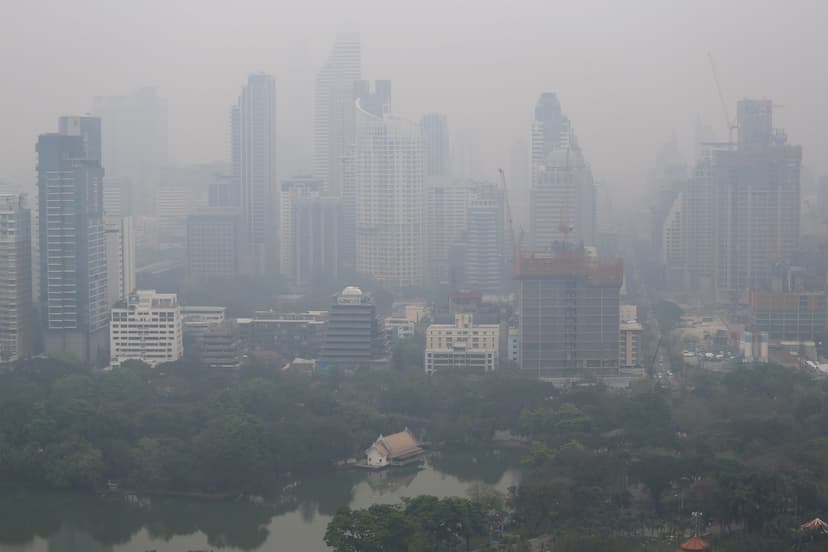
294,520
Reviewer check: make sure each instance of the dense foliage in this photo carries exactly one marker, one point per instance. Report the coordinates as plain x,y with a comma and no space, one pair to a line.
424,523
179,427
747,450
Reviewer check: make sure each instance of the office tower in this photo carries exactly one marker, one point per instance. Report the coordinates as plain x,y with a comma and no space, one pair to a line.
390,197
436,144
315,230
352,337
72,240
17,325
333,110
376,102
562,196
215,238
135,145
568,313
115,197
120,258
292,190
756,203
447,203
254,133
146,327
183,190
463,346
485,252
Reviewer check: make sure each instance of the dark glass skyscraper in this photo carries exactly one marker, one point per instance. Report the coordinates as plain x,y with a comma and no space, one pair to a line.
72,239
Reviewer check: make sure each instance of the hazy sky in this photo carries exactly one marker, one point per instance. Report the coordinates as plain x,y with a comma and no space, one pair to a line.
628,72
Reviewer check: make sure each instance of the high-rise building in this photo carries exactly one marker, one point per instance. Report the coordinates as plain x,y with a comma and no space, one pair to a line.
519,181
146,327
333,110
315,230
254,137
17,325
756,203
447,203
376,102
485,262
214,242
135,145
389,198
568,311
120,258
72,240
352,337
562,195
292,190
436,142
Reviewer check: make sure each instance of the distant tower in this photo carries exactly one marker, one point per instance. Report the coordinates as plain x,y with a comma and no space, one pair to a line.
436,141
389,198
485,252
562,196
756,203
72,239
134,147
292,190
333,109
254,131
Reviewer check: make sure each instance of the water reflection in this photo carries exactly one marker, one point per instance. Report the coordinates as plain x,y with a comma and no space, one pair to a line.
294,518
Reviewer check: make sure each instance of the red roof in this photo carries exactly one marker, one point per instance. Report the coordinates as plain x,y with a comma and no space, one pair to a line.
815,524
693,544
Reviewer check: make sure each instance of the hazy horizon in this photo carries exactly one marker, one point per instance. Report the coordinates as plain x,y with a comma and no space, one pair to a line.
628,76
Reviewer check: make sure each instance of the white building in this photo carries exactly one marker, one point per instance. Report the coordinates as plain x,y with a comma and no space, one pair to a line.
147,327
390,198
462,345
397,449
120,258
197,320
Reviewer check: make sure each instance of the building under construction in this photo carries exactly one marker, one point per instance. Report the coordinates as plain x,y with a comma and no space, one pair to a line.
568,309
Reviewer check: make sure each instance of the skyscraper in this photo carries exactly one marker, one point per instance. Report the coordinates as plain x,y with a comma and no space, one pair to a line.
316,222
16,309
292,190
254,133
756,203
436,142
333,110
214,243
376,102
390,197
72,239
562,196
135,145
485,252
447,202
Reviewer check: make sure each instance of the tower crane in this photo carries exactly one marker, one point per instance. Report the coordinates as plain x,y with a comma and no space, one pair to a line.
730,123
514,243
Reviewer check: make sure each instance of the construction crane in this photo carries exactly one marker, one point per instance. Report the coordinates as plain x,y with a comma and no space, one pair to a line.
515,244
730,123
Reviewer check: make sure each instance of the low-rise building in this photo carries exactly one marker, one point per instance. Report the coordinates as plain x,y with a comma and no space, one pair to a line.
400,328
221,346
397,449
792,315
197,320
629,350
463,345
147,327
290,333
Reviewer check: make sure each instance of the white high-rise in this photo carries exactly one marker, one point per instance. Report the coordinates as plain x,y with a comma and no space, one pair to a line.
389,198
333,110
